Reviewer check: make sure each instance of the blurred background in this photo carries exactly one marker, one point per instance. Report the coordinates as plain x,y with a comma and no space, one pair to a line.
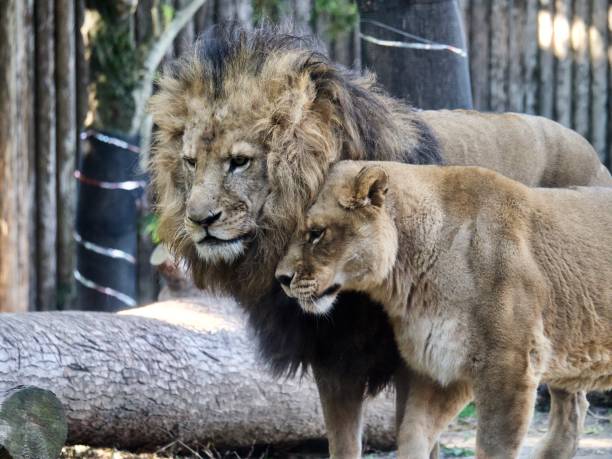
76,229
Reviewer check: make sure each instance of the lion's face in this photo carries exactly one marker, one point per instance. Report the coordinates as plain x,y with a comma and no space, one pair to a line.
225,184
226,166
348,242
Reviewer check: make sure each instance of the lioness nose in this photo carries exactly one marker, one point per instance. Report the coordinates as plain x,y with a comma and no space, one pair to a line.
206,222
284,279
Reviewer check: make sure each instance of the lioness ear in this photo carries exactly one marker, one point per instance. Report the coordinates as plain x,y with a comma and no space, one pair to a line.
370,186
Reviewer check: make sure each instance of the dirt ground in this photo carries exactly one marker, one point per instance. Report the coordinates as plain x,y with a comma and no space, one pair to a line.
458,441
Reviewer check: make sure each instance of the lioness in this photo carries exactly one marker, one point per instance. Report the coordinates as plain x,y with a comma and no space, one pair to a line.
491,287
248,123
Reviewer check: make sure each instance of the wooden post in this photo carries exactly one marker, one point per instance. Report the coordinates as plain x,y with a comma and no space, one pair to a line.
15,197
546,90
598,48
580,49
46,203
563,62
516,63
33,424
426,78
240,11
530,56
479,53
499,55
65,80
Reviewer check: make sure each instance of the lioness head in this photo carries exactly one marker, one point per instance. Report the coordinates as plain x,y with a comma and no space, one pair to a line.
348,241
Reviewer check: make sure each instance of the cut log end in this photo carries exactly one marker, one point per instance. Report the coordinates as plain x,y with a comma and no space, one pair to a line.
32,423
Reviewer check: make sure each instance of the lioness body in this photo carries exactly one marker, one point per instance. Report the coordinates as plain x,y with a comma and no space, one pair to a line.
490,286
271,99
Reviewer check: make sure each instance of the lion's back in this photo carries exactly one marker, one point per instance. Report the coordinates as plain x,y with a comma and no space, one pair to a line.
531,149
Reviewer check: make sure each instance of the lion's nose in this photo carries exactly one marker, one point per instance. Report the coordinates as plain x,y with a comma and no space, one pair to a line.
285,279
207,221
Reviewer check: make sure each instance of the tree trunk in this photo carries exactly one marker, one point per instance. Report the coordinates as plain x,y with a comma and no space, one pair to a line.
15,197
46,199
33,424
598,44
174,370
499,56
426,78
479,53
65,80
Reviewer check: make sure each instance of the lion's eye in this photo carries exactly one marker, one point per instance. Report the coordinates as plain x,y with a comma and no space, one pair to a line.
239,161
191,162
315,235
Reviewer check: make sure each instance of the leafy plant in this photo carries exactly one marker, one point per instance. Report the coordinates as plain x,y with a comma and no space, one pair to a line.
457,452
342,14
150,225
115,67
468,412
267,10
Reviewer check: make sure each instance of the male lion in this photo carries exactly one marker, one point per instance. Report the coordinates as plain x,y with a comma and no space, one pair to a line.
490,286
248,124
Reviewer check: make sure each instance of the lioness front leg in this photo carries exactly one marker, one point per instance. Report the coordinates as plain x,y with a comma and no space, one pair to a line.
504,392
565,423
424,409
342,401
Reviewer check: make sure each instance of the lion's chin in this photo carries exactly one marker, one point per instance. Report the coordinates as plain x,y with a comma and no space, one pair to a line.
321,305
218,253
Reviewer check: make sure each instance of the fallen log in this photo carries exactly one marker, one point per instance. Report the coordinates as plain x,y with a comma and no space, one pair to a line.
176,370
32,424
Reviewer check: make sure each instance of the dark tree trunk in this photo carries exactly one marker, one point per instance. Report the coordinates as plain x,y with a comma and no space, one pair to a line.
426,78
66,127
46,160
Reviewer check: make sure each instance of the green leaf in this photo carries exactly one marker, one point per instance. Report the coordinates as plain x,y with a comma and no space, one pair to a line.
167,13
468,412
457,452
150,224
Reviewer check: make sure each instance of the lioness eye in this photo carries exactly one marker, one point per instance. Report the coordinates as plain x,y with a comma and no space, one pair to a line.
238,161
191,162
315,235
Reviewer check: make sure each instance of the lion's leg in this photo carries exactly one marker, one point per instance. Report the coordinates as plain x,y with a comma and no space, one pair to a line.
342,402
424,409
565,423
504,392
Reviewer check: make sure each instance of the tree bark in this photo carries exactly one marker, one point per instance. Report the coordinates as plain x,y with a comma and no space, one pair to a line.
179,369
46,198
15,197
563,62
499,58
598,44
479,53
33,424
546,94
65,80
427,78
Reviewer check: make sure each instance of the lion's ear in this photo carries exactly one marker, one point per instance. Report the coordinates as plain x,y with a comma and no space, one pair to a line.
370,186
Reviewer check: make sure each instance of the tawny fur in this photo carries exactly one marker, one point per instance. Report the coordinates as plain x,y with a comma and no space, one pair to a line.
490,286
275,99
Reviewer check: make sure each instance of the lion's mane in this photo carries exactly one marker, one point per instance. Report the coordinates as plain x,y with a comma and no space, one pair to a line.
308,113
